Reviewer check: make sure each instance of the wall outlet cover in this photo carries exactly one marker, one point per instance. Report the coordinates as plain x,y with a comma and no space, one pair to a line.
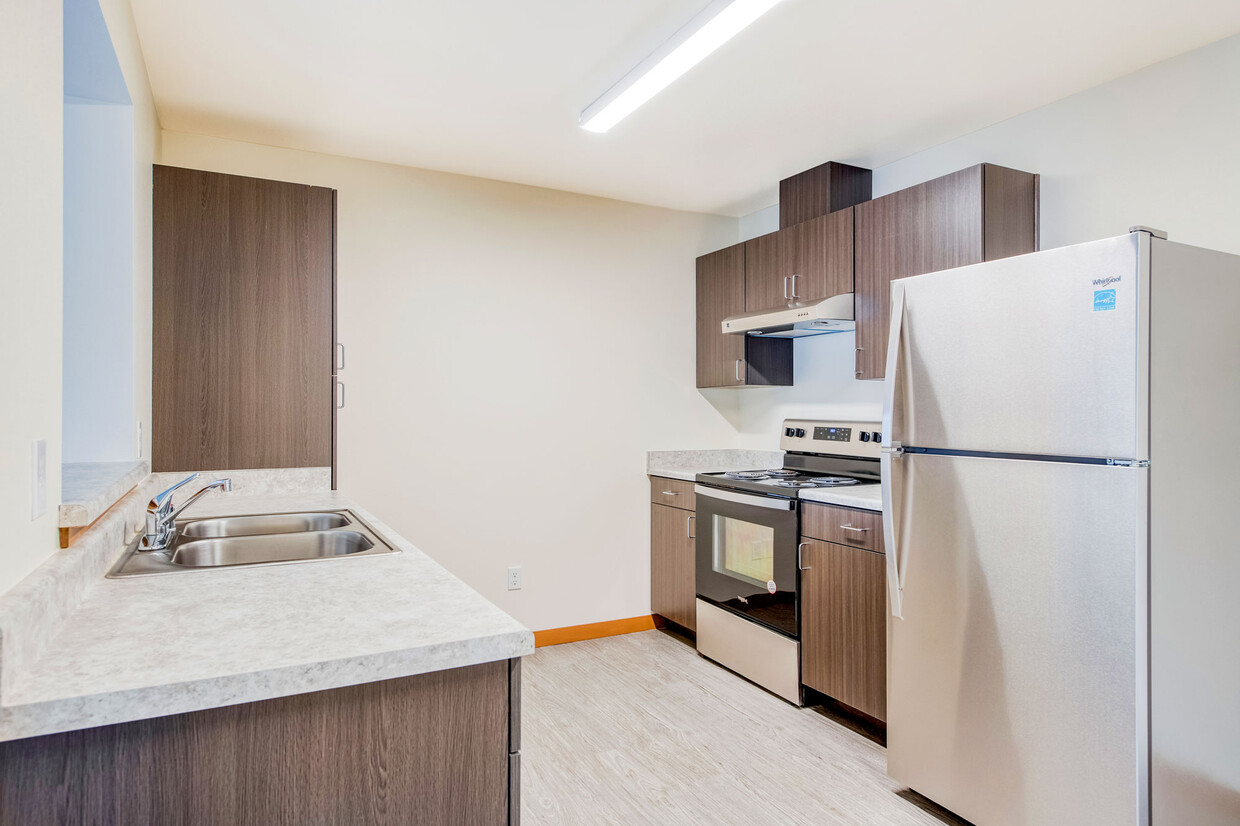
514,578
38,478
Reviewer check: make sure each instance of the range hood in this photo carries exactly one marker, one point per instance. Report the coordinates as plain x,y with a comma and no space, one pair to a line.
800,318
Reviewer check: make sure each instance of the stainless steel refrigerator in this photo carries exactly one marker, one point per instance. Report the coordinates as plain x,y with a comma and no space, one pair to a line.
1062,520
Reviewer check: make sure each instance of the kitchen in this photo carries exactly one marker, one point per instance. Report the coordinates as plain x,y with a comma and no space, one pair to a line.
514,322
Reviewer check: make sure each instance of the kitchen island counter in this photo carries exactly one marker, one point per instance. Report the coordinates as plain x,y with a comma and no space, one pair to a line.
143,647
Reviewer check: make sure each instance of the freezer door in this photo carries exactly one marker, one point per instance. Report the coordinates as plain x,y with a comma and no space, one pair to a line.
1036,354
1013,693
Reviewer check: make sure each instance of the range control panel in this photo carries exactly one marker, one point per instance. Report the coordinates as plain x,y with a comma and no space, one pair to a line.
832,438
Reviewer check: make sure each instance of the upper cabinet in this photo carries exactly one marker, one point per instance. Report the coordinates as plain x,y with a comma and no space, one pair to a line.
243,316
720,293
818,255
766,277
806,261
978,214
810,258
733,360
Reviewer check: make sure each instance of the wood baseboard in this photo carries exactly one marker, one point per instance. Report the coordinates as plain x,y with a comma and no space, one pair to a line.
593,630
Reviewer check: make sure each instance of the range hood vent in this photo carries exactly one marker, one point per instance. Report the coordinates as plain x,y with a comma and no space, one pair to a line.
800,318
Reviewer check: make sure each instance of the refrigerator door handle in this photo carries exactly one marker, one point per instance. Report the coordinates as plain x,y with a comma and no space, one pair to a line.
895,343
895,584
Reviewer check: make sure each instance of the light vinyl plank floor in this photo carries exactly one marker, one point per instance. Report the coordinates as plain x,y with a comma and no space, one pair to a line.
639,729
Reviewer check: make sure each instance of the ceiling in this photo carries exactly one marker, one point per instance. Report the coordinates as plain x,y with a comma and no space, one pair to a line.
493,87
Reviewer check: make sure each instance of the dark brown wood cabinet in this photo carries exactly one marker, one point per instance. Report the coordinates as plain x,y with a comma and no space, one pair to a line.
814,244
818,256
826,188
244,307
766,272
844,621
806,261
437,748
982,213
720,293
733,360
673,591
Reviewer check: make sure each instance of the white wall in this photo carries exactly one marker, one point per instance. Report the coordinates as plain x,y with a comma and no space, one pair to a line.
31,99
98,377
147,136
31,102
512,353
1157,147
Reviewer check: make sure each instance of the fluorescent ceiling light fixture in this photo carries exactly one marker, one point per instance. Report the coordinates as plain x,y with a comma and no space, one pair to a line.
715,25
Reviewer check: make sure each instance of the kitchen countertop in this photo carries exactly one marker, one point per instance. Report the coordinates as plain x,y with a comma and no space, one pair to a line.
150,646
687,464
865,497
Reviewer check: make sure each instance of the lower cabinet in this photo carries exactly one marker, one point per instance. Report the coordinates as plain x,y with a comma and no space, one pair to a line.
672,574
844,624
436,749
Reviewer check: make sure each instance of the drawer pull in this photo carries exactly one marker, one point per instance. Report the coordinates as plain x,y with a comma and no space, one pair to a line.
854,530
670,493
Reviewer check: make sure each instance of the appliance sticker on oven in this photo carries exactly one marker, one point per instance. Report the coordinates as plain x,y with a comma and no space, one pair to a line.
1104,300
770,586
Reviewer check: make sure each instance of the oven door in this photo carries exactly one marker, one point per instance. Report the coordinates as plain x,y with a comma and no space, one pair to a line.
746,556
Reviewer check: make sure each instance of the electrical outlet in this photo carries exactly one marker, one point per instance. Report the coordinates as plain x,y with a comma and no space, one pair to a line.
514,578
38,478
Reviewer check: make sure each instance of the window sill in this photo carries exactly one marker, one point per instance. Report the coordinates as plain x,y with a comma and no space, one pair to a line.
90,488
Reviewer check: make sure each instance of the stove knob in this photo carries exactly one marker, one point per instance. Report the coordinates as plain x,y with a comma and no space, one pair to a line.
789,431
865,436
876,436
800,432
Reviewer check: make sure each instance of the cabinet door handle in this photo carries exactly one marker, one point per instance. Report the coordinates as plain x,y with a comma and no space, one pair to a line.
339,356
738,370
786,296
801,567
795,294
854,530
339,394
857,361
689,527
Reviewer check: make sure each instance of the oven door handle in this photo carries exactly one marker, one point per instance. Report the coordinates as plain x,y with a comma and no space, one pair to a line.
772,502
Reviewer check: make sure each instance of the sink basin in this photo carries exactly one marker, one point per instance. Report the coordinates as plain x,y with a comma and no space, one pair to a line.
250,550
255,539
265,524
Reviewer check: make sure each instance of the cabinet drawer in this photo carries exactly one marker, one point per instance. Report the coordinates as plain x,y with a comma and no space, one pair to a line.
844,526
675,492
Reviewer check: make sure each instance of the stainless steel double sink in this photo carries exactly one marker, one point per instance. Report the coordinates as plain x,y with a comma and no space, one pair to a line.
258,539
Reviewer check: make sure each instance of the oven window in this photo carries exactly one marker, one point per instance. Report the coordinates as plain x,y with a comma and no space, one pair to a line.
744,550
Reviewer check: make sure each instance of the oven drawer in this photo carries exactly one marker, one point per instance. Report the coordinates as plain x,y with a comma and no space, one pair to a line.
675,492
844,526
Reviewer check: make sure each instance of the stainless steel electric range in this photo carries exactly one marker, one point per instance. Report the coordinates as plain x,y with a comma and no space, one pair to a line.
748,548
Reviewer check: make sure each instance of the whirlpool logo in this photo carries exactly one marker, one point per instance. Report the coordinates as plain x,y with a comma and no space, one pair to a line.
1105,299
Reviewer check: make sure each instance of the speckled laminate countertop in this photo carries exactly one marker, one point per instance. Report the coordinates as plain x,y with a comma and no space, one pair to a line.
865,497
687,464
150,646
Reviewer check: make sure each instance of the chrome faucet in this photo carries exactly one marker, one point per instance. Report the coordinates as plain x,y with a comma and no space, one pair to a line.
161,525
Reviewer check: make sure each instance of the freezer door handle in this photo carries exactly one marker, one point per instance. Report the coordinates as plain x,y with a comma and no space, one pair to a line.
895,342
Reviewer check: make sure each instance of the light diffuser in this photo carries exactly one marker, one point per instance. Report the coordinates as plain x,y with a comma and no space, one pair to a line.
715,25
